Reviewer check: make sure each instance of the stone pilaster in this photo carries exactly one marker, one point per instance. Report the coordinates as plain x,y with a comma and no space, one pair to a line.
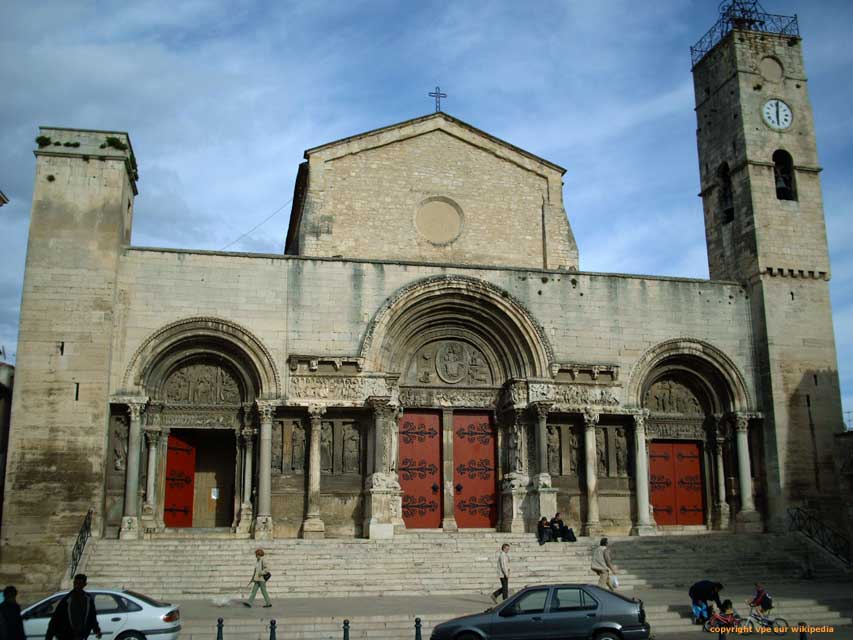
546,495
313,526
448,518
263,520
383,505
644,525
592,525
130,529
515,502
721,507
245,524
747,519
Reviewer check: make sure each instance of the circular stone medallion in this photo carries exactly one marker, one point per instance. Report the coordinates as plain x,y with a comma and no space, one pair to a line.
770,69
439,220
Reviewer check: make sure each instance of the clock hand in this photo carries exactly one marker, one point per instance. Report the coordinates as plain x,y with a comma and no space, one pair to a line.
777,112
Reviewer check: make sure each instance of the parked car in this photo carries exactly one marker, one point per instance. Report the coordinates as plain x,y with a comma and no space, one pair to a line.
545,612
122,615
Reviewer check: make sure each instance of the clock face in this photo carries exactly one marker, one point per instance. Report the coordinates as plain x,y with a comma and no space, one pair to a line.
777,114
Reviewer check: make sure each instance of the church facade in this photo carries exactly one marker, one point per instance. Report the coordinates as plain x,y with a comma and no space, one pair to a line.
426,354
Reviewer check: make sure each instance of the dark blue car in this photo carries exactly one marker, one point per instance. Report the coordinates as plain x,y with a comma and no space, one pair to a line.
561,612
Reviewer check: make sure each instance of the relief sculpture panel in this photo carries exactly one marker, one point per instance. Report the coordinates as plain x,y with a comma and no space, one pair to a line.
202,384
621,446
450,362
601,453
554,452
352,449
673,397
298,447
326,454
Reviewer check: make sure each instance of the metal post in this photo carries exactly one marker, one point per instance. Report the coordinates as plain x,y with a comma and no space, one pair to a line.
272,629
346,629
219,625
417,629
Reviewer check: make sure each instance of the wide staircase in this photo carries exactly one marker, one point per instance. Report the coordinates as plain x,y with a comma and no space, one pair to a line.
433,563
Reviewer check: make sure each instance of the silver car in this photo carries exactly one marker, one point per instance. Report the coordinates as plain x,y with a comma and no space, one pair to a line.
558,612
122,615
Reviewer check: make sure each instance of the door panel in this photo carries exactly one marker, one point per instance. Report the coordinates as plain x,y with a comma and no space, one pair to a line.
688,486
661,482
474,470
527,621
419,469
180,480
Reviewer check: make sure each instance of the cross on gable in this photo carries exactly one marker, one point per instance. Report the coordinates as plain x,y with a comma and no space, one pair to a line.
438,95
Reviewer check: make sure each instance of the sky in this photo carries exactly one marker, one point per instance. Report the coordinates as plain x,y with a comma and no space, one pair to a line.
221,99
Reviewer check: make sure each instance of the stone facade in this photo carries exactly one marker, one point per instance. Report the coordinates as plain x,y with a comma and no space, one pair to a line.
426,351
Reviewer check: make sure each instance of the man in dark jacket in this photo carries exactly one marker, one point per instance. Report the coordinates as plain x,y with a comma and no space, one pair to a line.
11,624
700,594
560,531
75,616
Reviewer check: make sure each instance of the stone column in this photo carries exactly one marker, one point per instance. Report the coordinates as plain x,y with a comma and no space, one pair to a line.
383,510
644,525
514,486
313,526
748,519
245,525
592,526
721,507
130,520
546,495
448,519
263,519
152,438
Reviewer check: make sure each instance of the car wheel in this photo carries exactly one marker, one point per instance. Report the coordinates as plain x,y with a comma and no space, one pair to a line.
131,635
607,635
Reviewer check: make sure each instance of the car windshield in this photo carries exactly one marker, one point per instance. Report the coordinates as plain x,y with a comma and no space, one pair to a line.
149,601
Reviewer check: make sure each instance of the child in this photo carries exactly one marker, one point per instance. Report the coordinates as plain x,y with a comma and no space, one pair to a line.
760,600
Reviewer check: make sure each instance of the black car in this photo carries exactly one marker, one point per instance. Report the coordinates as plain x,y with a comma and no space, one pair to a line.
560,611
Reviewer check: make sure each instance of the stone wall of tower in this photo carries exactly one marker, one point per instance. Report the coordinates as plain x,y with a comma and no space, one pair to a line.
81,214
777,248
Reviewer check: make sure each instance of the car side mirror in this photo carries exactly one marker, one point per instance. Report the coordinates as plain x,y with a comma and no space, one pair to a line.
507,612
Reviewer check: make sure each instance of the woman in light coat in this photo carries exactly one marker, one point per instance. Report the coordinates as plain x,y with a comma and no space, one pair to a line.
258,581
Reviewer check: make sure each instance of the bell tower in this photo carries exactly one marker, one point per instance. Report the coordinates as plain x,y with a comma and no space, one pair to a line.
765,227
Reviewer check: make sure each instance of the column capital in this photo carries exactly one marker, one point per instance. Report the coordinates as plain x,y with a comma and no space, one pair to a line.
640,417
315,412
136,408
541,408
741,421
152,436
590,418
266,409
383,407
248,434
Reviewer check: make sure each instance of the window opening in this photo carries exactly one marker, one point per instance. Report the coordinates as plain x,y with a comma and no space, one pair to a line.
783,174
724,178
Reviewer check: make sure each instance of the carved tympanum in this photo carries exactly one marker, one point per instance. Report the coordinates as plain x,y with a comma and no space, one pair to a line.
673,397
451,362
202,384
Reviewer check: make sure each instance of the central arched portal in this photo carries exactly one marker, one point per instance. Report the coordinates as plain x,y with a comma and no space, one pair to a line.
456,342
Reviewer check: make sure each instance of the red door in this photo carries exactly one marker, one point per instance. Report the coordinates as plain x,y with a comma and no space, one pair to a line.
419,468
675,480
180,477
688,486
474,470
661,482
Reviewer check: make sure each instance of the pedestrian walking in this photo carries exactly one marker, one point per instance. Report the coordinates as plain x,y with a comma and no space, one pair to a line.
259,580
75,617
503,574
603,566
11,623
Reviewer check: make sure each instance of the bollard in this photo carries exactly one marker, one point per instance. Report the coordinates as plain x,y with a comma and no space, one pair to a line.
417,629
219,625
803,633
346,629
272,629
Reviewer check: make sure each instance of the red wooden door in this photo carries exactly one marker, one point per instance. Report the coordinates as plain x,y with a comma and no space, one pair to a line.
474,470
419,469
688,485
180,480
662,483
675,480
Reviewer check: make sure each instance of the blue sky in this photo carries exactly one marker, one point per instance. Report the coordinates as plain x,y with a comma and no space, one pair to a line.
220,101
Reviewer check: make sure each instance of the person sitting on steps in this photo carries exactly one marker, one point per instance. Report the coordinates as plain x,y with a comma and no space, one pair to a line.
543,531
560,531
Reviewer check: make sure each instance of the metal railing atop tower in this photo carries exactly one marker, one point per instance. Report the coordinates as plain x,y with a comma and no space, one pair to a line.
747,15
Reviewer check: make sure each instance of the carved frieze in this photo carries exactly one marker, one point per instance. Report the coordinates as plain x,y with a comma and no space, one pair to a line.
672,397
448,397
201,384
567,396
451,362
200,417
675,429
335,389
